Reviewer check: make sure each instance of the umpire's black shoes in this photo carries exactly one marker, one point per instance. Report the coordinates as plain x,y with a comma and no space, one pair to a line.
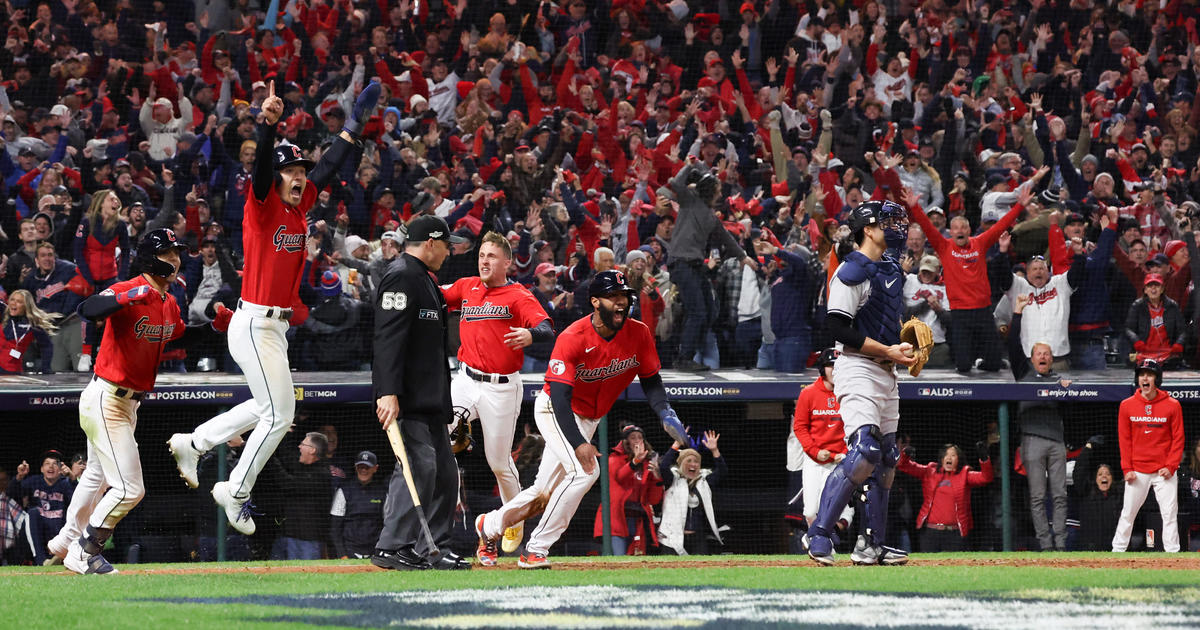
450,561
399,560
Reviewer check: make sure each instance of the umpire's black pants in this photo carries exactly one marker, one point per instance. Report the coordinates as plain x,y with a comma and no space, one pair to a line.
435,474
973,334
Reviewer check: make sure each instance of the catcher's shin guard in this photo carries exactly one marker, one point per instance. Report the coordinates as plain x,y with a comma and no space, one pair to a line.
864,455
879,488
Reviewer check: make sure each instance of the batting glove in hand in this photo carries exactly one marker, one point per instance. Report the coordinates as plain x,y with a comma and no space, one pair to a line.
675,428
134,295
363,106
220,322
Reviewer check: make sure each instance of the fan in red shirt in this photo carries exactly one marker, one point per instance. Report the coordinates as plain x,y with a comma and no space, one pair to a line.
284,186
1150,429
593,361
964,265
499,318
818,433
142,317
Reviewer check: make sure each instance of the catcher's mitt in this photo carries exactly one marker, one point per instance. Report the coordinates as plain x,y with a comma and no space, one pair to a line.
917,333
460,436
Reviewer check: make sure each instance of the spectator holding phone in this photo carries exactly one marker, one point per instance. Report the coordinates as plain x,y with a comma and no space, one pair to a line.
634,490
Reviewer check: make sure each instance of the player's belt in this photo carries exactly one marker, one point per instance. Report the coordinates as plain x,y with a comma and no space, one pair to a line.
941,527
272,312
118,391
484,377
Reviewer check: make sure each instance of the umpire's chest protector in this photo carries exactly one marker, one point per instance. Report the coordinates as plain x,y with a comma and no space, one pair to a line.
879,316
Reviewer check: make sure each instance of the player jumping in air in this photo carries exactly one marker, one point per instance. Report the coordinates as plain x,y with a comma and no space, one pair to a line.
284,186
499,318
866,302
593,361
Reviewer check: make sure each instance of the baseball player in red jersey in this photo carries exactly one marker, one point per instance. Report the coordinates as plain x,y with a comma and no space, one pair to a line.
1150,430
818,439
499,318
142,317
274,232
593,361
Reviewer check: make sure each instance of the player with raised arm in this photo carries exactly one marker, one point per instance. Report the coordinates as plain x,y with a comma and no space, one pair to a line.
142,317
592,363
499,318
284,186
866,302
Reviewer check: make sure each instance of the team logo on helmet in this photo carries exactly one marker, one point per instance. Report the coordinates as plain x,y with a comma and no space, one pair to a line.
620,277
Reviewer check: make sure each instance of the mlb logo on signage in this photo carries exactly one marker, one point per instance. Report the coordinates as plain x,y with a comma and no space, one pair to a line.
1043,392
925,391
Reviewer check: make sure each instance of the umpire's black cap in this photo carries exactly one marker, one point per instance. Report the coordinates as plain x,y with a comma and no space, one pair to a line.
429,226
289,154
607,283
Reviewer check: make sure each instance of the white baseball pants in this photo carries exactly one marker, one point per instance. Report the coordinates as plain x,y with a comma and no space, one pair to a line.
814,474
108,420
866,393
259,346
560,475
497,406
1168,506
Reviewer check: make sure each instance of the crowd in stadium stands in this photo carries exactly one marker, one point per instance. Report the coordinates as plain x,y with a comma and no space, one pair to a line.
1046,151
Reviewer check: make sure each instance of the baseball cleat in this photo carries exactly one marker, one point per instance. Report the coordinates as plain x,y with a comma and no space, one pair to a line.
512,537
81,562
186,458
820,549
865,553
893,557
533,561
239,512
485,553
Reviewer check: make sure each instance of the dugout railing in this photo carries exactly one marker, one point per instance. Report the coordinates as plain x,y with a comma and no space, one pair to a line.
751,410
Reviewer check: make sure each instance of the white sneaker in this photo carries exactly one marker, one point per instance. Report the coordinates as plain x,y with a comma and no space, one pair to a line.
237,511
512,537
84,364
865,553
186,457
81,562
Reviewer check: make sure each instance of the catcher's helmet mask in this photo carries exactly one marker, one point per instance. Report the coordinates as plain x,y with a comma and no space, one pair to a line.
889,216
154,243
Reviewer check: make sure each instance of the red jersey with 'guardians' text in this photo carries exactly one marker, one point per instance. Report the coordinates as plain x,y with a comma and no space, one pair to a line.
1151,433
600,370
817,422
135,335
273,238
489,313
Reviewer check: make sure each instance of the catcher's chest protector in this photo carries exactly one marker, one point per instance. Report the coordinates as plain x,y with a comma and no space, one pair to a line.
879,317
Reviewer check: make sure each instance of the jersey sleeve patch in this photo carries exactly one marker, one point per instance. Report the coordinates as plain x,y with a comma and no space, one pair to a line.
393,301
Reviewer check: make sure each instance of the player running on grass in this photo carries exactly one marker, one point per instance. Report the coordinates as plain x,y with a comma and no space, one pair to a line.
499,318
142,318
273,237
593,361
866,302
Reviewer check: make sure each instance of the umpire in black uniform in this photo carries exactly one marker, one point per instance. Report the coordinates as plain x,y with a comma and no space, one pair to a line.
411,379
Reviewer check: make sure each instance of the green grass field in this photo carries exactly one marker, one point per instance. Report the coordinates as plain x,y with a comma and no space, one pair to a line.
1045,591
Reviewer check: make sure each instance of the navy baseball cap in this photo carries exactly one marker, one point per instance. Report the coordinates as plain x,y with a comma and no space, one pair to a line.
366,458
289,154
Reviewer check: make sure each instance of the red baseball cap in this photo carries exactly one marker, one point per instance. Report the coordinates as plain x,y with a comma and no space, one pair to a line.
544,268
1151,278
